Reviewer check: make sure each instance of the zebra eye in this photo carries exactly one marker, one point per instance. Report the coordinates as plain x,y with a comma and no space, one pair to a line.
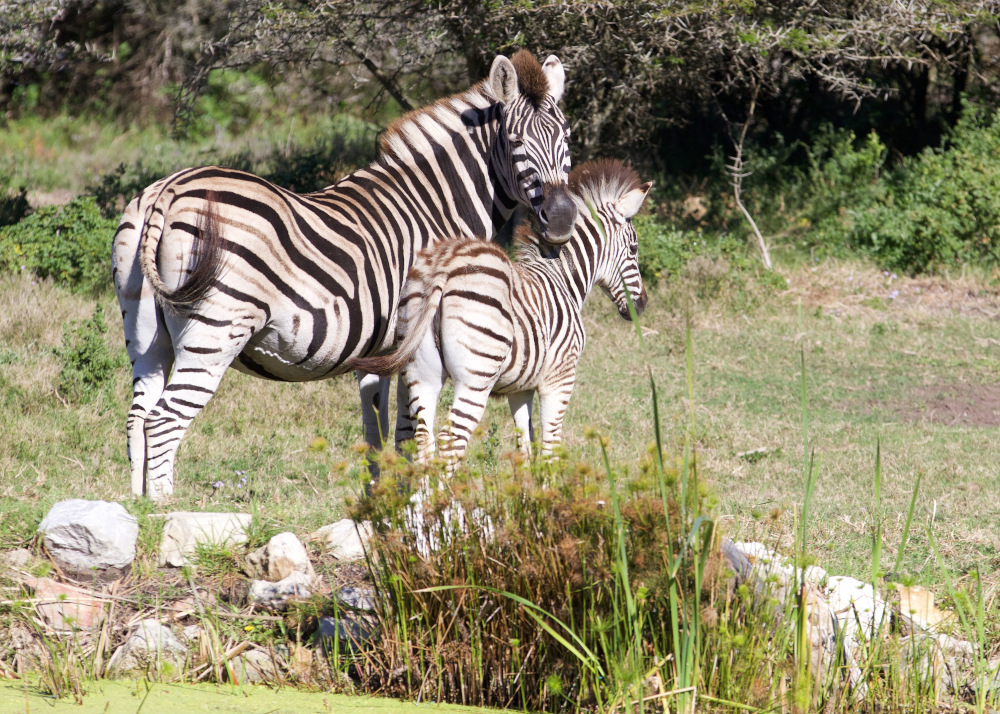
516,141
633,249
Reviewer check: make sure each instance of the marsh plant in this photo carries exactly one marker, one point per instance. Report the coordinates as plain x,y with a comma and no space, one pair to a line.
568,586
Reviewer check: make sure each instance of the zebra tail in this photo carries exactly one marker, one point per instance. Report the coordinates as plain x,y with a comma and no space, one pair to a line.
393,362
206,248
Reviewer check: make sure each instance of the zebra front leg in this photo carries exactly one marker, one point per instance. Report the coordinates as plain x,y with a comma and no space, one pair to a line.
374,392
520,409
552,407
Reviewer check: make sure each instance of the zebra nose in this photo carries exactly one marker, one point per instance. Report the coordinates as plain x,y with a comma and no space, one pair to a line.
558,213
639,302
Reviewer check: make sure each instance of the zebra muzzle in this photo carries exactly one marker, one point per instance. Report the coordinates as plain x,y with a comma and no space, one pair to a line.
558,214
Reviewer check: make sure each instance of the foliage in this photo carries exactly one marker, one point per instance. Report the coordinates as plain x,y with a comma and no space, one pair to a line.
70,244
635,66
553,570
928,212
939,208
88,365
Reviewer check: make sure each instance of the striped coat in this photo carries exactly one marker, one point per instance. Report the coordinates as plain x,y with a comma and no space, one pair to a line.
495,326
216,268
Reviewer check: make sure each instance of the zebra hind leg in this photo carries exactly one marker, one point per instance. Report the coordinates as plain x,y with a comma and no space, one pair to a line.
466,412
193,382
374,391
148,380
520,408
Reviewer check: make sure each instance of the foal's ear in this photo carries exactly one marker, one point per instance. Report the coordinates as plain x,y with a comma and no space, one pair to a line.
629,204
503,80
554,71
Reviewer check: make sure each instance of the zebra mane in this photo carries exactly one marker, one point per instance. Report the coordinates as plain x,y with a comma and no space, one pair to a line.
405,130
531,80
446,112
603,181
595,183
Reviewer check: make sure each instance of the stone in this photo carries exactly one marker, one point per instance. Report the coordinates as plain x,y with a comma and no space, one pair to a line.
150,648
183,531
275,596
254,667
88,538
345,539
283,555
17,558
357,599
66,607
344,635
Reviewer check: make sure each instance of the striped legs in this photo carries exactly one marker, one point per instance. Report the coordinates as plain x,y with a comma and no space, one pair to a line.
374,392
151,360
520,409
466,412
552,403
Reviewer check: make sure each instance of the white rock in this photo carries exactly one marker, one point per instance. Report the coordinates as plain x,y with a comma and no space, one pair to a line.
255,666
86,536
276,595
183,531
150,646
283,555
816,575
342,538
860,612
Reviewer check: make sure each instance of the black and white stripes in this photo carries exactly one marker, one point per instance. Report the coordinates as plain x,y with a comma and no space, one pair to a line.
215,267
515,328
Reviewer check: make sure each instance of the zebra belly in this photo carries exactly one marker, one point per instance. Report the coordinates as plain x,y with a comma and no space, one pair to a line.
298,349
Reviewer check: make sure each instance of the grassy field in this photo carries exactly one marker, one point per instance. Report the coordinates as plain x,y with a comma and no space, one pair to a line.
909,363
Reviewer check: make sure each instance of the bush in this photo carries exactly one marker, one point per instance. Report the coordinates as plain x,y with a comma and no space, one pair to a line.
70,243
113,190
940,207
932,210
88,364
663,250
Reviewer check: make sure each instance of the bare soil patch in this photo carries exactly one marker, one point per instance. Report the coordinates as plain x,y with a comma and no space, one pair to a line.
951,405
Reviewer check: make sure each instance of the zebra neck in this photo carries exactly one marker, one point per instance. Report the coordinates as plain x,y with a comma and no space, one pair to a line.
466,128
573,272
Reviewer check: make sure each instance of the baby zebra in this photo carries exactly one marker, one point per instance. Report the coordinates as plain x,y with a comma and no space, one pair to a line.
513,328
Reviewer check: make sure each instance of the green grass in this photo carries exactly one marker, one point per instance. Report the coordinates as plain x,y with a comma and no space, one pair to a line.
869,372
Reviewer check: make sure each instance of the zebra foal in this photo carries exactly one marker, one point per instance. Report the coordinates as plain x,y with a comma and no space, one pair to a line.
514,328
216,268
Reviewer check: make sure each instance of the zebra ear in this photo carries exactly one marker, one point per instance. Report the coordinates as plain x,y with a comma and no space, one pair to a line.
553,70
503,80
629,204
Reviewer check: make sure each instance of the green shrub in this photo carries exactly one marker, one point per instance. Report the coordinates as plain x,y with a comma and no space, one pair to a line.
88,364
70,243
113,190
664,250
941,206
932,210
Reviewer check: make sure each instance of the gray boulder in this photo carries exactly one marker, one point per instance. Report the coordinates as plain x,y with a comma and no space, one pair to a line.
345,539
88,538
151,648
275,596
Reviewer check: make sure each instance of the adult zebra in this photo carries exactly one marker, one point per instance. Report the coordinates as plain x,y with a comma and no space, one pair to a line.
215,267
513,328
